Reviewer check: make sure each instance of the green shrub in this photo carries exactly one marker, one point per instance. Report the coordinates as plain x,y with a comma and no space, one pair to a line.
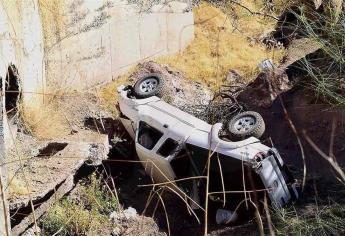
323,220
83,217
325,69
68,217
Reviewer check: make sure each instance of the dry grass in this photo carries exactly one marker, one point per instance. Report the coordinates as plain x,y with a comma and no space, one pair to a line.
326,220
217,48
46,121
52,14
108,93
282,5
17,187
220,46
248,24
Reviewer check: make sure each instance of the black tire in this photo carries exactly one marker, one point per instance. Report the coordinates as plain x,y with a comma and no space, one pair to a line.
246,124
155,80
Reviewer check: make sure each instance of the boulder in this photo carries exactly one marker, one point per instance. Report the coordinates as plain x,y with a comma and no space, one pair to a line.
264,89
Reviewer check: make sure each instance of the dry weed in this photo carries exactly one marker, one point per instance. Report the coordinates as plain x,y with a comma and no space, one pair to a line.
52,13
46,121
108,94
17,187
220,45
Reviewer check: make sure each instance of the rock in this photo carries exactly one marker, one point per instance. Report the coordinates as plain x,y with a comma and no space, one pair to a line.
178,7
128,222
233,78
32,231
59,192
89,147
116,231
298,49
118,216
74,129
264,89
130,212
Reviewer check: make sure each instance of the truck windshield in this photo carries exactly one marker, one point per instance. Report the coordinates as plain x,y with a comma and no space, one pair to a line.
169,147
148,136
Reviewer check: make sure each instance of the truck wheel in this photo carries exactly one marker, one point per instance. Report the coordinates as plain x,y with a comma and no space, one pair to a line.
150,85
246,124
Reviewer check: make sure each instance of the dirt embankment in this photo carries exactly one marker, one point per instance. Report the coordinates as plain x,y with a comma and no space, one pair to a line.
311,119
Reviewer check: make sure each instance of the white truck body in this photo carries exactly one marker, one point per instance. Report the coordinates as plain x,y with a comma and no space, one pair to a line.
185,129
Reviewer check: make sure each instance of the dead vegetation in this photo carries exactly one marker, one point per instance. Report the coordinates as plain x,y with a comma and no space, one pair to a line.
108,93
48,120
17,186
223,42
324,67
52,13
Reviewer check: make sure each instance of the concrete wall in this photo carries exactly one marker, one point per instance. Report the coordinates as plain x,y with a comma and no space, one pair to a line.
83,43
22,45
90,42
95,52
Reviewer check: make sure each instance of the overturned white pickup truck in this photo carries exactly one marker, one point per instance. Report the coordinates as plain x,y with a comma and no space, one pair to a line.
175,145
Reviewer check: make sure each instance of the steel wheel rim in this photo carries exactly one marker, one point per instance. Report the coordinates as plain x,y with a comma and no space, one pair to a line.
148,85
244,124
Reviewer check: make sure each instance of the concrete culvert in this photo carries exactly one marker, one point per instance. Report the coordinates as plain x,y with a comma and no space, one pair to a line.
12,91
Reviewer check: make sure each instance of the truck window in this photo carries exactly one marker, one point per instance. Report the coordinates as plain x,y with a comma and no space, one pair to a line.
168,147
148,136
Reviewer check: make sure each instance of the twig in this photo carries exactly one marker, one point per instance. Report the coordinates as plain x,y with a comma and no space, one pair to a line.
166,213
173,181
24,177
62,227
268,216
298,140
197,218
4,205
222,179
244,181
332,161
254,12
258,217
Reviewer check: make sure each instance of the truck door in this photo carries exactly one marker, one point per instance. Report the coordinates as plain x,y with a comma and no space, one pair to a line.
148,141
